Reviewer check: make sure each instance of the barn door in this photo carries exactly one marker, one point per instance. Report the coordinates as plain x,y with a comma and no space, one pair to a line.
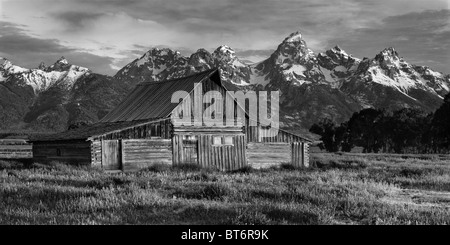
111,154
190,150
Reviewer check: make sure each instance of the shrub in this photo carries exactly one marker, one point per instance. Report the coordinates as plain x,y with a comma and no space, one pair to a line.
287,166
11,164
216,191
413,172
5,165
158,168
244,170
249,217
204,176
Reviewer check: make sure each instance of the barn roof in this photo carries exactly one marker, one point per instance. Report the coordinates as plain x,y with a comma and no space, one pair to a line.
151,100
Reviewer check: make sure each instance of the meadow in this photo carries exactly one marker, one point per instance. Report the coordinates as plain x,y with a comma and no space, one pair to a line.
368,189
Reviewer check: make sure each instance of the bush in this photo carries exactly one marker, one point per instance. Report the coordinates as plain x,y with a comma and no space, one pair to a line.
5,165
287,166
344,164
248,217
158,168
12,164
204,176
216,191
244,170
413,172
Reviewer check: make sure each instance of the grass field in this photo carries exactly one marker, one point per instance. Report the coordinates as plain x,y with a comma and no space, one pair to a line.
340,189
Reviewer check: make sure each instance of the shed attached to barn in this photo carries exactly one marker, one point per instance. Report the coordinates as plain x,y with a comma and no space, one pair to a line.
142,131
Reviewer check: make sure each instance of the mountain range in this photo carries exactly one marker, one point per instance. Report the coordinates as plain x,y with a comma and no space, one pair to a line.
331,84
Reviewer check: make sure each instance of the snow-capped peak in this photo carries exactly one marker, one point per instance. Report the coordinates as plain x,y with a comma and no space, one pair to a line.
388,54
62,60
224,53
156,54
42,66
338,50
7,67
60,74
294,37
5,63
225,49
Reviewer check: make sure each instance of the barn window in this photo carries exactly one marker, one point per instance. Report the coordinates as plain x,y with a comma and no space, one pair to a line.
155,130
189,139
228,140
217,140
58,152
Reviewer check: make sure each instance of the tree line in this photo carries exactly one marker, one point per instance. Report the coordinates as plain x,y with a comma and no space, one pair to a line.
377,130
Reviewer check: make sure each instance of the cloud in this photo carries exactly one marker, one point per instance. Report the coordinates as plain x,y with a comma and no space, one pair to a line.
420,37
111,28
28,51
76,20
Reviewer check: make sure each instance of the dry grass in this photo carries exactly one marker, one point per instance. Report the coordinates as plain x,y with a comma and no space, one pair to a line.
341,189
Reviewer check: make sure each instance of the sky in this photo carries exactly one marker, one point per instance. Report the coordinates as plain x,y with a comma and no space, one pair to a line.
105,35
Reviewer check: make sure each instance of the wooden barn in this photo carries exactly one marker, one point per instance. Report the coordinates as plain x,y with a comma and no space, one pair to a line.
142,131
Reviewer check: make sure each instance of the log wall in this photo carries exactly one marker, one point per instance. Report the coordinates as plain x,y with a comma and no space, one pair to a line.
16,151
78,152
264,155
142,153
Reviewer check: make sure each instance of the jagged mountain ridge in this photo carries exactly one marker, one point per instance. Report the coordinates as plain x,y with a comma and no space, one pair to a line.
329,84
344,83
51,98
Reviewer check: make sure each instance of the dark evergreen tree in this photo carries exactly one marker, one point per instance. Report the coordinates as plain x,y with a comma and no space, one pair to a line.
327,130
440,130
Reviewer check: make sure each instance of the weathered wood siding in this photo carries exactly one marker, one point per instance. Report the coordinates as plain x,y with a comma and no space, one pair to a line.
96,153
142,153
16,151
264,155
111,154
161,129
202,149
300,154
78,152
225,157
257,134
